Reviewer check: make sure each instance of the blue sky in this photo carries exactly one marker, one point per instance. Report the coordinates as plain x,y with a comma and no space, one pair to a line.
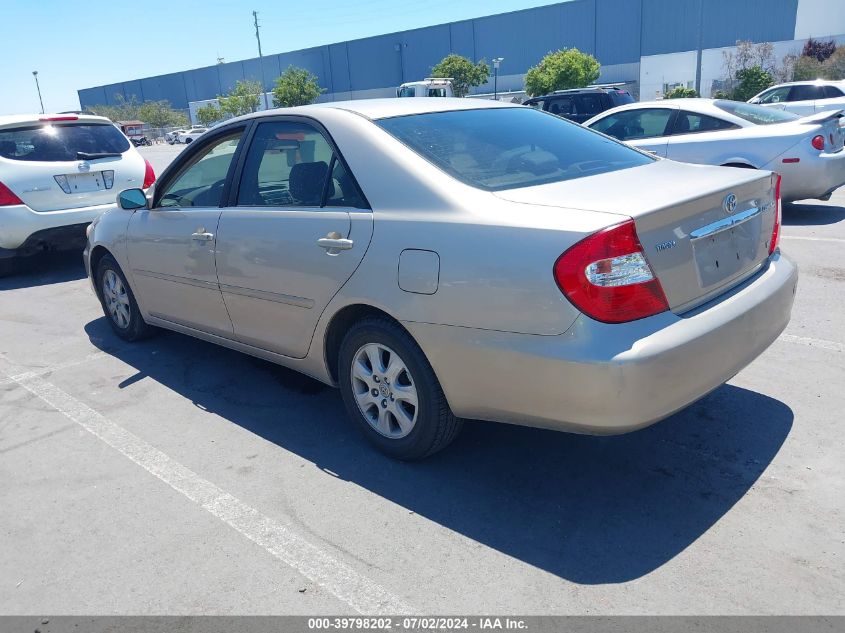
74,45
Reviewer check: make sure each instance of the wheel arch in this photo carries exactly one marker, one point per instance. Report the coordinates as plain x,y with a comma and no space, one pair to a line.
339,325
740,163
97,254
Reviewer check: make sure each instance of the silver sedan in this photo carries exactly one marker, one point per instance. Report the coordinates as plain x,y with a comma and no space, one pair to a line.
807,152
443,259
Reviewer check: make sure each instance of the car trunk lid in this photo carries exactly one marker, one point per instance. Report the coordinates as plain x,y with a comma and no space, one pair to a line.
703,229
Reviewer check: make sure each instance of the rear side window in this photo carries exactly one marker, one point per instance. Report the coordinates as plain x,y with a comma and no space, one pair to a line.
291,164
620,97
806,93
630,125
507,148
692,123
832,92
61,142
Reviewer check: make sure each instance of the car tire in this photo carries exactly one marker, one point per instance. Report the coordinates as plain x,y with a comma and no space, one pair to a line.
119,303
188,141
409,419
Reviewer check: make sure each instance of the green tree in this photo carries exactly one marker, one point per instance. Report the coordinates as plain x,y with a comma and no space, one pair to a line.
295,87
463,73
681,93
808,68
751,81
161,114
208,114
561,70
244,98
834,66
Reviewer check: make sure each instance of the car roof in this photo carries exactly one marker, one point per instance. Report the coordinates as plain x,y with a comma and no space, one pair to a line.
18,119
390,107
810,82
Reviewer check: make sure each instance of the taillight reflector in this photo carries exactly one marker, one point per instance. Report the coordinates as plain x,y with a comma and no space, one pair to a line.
149,174
818,142
606,276
7,197
773,243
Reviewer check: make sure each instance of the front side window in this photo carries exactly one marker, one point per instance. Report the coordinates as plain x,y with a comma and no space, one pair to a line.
775,95
62,142
506,148
630,125
288,164
692,123
202,183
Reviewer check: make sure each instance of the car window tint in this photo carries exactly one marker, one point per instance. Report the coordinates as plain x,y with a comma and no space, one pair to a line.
775,95
806,93
832,92
691,123
562,106
506,148
201,184
286,165
589,104
342,191
630,125
60,142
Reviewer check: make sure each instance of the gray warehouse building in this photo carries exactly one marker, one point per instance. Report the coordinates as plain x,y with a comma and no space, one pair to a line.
653,44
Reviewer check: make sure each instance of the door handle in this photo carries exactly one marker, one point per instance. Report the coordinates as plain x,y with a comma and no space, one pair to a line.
333,243
202,236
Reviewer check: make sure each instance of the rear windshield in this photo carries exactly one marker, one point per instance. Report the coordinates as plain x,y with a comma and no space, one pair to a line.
60,142
507,148
756,114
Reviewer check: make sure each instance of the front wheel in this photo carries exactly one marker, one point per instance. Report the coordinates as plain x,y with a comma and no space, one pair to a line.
392,393
119,303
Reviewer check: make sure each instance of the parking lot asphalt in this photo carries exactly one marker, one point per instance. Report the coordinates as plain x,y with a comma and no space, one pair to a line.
177,477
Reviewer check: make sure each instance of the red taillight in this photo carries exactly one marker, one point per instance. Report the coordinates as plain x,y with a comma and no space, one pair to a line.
7,197
59,118
149,174
773,243
818,142
606,276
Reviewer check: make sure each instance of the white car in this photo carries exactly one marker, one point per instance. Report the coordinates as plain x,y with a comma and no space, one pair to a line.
804,97
173,137
191,135
57,174
807,152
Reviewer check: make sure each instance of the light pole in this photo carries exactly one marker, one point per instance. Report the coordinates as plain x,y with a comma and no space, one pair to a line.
37,87
261,61
496,62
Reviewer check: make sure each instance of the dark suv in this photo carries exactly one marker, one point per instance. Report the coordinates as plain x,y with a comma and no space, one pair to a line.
581,104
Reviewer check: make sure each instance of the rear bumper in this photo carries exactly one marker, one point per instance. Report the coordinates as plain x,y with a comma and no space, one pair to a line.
18,223
605,379
815,176
69,237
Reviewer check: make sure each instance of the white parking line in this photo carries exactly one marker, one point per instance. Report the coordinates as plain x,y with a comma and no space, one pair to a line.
813,239
359,592
49,370
813,342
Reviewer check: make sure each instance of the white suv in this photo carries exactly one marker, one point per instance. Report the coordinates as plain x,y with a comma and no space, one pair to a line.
57,174
804,97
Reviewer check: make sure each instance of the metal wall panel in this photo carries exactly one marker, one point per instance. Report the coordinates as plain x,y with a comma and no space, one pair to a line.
112,92
755,20
133,88
311,59
170,87
230,73
521,37
202,82
462,38
339,64
618,27
422,49
671,26
92,96
375,62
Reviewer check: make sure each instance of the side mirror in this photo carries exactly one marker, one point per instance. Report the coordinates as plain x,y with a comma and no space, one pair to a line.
755,100
131,199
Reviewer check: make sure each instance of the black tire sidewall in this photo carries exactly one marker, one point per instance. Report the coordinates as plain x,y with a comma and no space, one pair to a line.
137,326
419,442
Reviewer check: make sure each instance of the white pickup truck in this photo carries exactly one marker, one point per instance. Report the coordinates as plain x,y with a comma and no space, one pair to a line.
429,87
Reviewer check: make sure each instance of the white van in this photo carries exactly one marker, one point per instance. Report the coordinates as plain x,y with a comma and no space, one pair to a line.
428,87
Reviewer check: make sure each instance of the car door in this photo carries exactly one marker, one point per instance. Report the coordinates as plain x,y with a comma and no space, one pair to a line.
776,97
643,128
802,99
697,138
171,245
295,232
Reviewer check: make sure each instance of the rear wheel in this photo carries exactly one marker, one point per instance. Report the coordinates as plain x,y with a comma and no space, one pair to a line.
119,303
390,390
